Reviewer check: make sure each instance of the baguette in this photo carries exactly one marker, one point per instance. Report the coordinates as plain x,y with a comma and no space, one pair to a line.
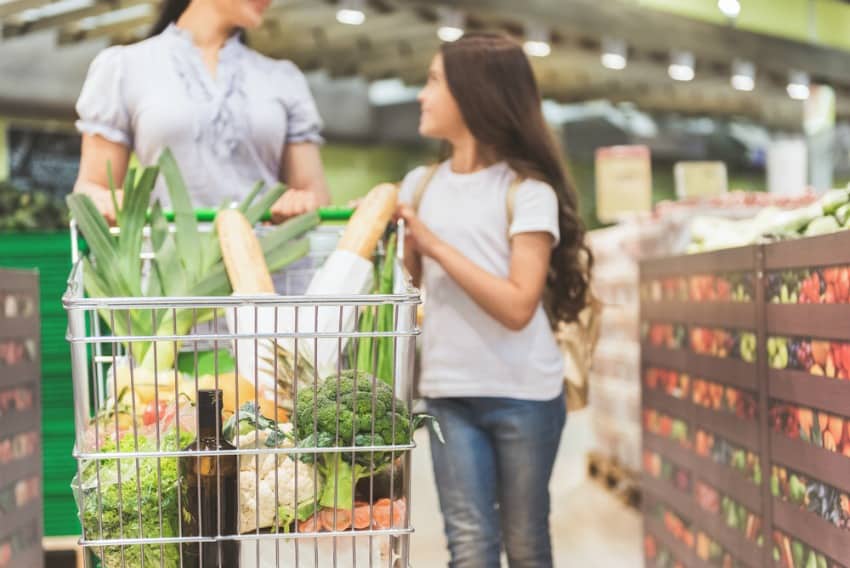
369,221
242,254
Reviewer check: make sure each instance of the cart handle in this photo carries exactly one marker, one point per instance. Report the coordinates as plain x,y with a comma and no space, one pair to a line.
325,214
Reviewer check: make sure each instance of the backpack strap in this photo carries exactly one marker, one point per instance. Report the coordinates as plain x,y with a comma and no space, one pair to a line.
510,201
423,185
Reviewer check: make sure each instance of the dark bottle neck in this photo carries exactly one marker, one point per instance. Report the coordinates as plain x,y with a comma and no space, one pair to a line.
210,404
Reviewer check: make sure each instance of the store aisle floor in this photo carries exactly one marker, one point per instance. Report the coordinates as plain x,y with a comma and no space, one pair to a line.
590,527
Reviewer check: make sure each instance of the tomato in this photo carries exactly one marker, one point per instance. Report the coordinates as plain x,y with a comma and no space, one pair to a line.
154,412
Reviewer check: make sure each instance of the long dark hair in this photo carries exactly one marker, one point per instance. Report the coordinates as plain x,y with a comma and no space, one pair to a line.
170,12
493,83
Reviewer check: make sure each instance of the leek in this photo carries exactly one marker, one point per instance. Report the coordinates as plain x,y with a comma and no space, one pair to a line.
186,263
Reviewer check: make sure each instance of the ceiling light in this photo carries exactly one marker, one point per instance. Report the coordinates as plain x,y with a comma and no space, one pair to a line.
798,85
743,75
614,53
537,41
730,8
681,66
451,24
351,12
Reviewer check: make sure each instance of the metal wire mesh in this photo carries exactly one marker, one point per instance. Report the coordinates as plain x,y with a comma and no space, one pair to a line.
311,466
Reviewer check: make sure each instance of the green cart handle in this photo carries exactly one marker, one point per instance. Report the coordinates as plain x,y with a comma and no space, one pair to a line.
325,214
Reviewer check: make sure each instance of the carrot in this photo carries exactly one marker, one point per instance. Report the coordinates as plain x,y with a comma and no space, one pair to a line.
310,525
343,519
362,516
381,514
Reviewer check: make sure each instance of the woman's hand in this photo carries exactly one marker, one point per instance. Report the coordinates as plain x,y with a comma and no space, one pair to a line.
96,154
417,235
293,203
103,201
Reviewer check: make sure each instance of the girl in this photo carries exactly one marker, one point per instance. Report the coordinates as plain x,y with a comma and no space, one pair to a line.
489,230
230,115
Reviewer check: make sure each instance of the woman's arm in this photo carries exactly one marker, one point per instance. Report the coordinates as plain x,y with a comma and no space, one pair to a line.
92,180
301,169
511,301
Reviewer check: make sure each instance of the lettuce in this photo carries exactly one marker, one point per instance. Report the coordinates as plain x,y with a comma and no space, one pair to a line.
147,486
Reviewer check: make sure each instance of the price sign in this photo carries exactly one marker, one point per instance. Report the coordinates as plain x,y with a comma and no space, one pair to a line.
700,179
623,182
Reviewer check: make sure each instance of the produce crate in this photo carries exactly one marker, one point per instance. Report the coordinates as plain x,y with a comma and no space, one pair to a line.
808,380
758,436
20,421
702,445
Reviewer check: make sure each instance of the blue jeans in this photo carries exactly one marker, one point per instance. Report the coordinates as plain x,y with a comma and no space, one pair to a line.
493,475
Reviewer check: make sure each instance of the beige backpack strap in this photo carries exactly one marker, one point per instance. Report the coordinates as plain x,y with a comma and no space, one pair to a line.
423,185
510,200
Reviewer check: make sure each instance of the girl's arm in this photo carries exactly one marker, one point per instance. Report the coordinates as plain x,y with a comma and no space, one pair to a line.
512,301
96,152
301,169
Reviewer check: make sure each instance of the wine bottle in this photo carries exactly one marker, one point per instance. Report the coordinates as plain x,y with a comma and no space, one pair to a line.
209,491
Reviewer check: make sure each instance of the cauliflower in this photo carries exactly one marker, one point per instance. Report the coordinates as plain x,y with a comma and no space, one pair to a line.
287,508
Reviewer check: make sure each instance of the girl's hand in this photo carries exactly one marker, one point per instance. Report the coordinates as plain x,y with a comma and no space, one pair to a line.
422,239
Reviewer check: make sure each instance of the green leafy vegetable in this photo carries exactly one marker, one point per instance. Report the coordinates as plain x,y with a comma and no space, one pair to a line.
147,486
353,409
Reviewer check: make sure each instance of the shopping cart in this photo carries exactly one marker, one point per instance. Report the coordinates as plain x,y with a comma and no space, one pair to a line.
332,490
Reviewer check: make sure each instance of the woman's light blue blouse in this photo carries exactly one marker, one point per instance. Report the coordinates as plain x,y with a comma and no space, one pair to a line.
227,132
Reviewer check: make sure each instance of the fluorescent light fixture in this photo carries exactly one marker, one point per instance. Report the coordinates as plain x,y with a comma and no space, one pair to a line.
681,66
449,33
451,24
614,53
53,9
115,17
730,8
391,92
351,12
537,48
743,75
537,41
798,85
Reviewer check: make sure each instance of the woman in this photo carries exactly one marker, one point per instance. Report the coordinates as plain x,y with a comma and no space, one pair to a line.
492,373
231,116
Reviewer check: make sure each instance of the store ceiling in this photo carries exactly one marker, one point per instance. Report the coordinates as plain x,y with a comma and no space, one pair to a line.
398,39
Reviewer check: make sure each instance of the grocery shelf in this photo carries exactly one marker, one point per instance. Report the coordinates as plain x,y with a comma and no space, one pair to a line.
679,551
740,315
826,250
31,510
20,469
813,391
741,432
724,477
765,319
683,503
670,449
17,422
712,524
741,259
19,328
20,374
828,467
824,321
811,529
731,372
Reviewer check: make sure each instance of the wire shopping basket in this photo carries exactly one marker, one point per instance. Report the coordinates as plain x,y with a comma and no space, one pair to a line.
311,471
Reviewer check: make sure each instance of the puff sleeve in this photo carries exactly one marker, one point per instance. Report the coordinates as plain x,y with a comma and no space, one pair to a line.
102,106
303,121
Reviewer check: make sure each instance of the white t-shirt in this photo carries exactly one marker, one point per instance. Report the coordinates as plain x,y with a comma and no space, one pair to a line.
465,352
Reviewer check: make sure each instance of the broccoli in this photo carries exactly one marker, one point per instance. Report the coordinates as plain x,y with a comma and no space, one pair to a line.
354,410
